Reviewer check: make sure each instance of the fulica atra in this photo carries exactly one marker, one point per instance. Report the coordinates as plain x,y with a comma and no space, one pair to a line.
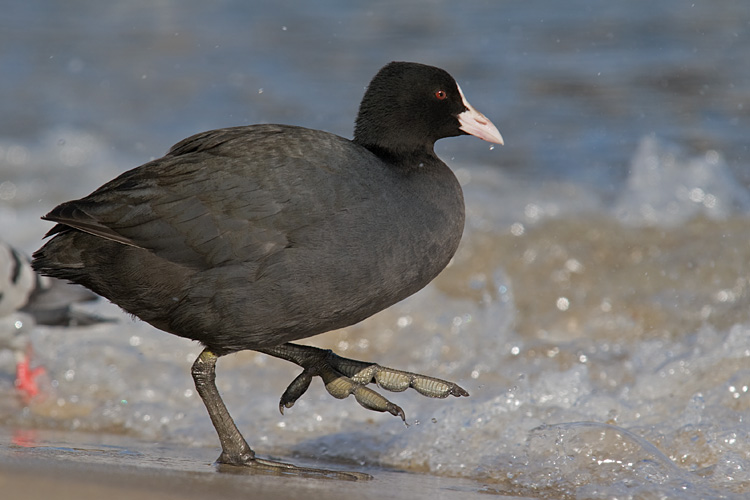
251,237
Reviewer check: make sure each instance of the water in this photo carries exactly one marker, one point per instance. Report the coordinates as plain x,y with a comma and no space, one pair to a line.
596,310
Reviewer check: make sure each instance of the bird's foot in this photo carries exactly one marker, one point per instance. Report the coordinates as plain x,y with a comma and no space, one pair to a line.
344,376
26,378
236,456
252,464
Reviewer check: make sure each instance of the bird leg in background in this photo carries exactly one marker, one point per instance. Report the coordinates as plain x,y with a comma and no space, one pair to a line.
26,376
343,376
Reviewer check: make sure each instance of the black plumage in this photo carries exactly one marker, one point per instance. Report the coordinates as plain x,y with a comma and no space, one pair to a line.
252,237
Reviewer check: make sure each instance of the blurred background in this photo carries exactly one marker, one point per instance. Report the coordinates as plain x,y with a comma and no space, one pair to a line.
597,311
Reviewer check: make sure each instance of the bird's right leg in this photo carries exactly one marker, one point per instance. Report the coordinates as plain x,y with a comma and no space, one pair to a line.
234,448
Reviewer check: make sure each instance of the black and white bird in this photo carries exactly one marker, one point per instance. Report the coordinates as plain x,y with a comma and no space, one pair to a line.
27,299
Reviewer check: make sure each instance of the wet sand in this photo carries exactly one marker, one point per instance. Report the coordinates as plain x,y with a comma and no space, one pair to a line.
39,464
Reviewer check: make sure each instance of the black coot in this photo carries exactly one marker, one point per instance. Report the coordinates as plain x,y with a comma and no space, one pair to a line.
252,237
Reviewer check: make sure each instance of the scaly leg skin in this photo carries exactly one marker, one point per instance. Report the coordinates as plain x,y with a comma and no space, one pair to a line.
235,450
344,376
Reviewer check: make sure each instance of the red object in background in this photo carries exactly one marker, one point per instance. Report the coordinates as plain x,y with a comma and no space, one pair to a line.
26,377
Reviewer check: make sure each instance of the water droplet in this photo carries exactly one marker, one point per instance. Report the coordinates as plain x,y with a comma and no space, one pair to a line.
517,229
404,321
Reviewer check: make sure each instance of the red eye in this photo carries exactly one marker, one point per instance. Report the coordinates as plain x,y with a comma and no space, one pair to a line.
440,94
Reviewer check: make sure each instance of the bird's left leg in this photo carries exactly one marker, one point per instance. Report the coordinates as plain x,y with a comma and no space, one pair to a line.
344,376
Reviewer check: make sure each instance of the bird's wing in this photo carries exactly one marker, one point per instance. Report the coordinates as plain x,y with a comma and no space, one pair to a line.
214,198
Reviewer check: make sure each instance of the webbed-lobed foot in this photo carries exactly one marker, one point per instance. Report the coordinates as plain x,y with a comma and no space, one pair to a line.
343,377
256,465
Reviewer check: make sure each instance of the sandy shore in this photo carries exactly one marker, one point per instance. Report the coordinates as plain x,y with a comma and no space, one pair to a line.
38,464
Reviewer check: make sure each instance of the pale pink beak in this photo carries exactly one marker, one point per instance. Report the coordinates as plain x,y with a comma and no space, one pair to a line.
475,123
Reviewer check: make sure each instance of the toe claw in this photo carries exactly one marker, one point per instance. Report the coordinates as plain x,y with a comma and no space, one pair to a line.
396,411
459,391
